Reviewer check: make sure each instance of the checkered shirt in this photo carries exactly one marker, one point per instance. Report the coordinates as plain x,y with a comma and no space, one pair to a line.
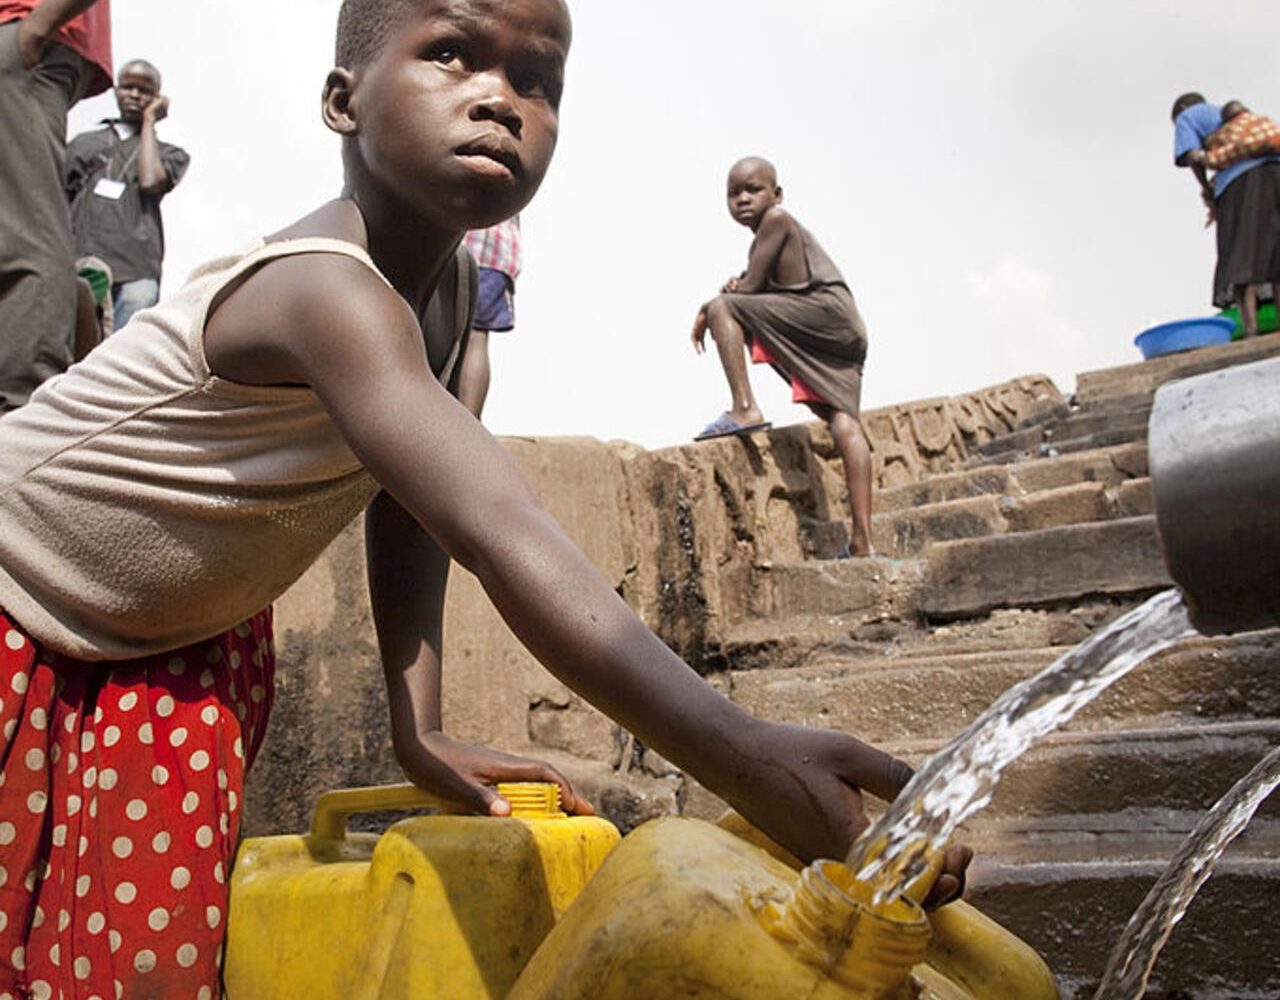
497,247
1246,135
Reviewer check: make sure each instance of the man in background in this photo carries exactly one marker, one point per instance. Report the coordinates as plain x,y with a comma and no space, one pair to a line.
116,177
52,53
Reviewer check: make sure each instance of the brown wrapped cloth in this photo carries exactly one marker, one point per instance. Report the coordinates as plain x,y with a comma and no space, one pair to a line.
812,332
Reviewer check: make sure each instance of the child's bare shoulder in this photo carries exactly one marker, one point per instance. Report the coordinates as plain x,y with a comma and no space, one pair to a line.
778,220
299,309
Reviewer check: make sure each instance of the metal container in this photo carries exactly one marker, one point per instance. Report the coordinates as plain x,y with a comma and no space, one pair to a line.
1214,448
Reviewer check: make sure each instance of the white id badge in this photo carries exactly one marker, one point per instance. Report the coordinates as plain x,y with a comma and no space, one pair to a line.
107,188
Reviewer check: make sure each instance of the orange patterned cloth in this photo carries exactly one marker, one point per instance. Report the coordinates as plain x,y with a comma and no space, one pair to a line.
121,792
1244,136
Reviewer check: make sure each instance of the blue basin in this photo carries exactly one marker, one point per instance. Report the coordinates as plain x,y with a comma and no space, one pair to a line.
1184,335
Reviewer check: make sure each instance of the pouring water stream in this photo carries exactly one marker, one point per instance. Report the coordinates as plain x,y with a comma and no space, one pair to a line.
1151,924
961,778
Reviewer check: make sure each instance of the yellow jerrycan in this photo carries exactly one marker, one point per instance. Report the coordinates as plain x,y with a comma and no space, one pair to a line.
443,907
687,909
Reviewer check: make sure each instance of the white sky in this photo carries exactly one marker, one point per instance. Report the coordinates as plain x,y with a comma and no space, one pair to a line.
994,179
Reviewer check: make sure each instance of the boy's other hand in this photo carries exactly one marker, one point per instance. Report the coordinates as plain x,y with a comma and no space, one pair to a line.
732,284
468,774
157,110
805,792
700,331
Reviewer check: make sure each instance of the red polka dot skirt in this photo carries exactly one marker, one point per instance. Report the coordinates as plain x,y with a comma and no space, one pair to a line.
120,799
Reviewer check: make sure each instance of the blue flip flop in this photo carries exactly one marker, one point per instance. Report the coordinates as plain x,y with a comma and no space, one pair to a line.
724,425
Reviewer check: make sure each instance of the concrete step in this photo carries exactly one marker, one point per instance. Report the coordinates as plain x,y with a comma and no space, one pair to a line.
1147,376
1116,403
1108,438
1054,445
1026,440
807,640
1088,421
1072,902
934,697
1109,466
864,589
903,534
965,578
906,534
1027,566
1181,768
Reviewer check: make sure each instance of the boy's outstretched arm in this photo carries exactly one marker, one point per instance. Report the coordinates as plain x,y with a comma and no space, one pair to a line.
407,577
339,330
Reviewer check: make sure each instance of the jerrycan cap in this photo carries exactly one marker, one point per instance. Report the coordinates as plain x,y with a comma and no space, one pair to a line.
532,799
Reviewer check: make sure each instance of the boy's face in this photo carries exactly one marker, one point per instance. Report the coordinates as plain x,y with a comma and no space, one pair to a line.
752,191
136,87
458,114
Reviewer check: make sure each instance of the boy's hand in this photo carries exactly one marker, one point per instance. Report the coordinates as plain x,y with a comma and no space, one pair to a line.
700,331
732,284
467,774
806,793
157,109
1196,156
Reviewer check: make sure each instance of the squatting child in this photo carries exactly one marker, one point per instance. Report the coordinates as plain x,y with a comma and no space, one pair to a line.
157,497
794,310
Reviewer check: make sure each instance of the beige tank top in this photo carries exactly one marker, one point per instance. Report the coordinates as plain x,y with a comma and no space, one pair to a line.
146,503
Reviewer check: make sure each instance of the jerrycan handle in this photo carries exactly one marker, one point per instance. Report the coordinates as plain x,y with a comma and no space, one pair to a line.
333,808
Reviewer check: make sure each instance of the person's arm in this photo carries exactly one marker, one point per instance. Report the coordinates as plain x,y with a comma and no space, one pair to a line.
473,376
771,237
1188,141
153,179
334,326
407,577
37,29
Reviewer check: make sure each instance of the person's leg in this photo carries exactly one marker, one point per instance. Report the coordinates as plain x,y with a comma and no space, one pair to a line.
127,297
731,345
473,379
37,275
855,452
1247,296
124,788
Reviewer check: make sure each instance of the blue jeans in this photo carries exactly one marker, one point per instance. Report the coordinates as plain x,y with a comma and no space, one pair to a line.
127,297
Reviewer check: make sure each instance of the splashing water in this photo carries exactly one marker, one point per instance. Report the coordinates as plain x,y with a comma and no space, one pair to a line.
961,778
1152,923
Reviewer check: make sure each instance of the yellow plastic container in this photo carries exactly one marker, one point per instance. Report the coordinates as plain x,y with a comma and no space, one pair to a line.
443,907
684,908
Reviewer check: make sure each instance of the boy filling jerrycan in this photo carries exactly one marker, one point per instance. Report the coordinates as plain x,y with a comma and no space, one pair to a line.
685,908
443,906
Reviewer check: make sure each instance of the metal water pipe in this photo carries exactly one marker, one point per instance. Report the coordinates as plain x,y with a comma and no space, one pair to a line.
1214,452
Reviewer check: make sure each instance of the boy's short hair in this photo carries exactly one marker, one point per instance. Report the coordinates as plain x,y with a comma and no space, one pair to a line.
148,66
1187,100
363,27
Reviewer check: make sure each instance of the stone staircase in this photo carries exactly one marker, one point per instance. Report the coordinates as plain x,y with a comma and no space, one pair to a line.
1012,524
991,571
